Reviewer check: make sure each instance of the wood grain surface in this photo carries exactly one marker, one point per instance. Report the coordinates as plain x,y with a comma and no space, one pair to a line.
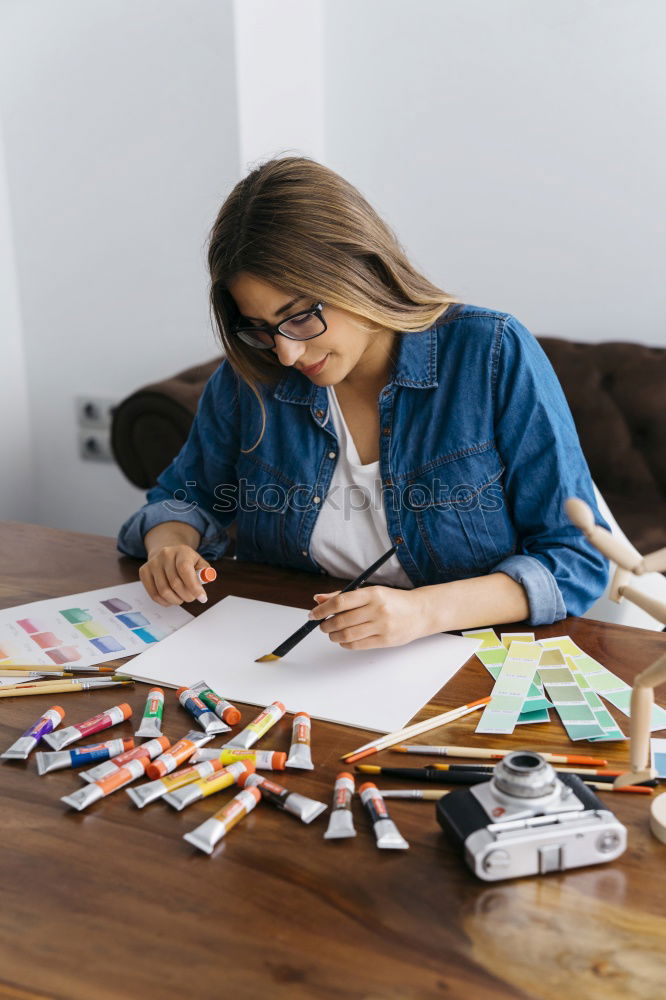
113,903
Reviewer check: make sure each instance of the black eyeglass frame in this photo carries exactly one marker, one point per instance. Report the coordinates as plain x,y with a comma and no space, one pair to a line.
273,331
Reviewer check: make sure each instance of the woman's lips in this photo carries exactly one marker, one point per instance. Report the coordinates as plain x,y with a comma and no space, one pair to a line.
315,369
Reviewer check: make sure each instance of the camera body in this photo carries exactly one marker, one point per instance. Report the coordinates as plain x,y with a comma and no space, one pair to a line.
527,820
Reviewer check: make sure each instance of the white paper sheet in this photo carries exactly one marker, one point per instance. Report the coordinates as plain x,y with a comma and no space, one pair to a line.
87,628
378,689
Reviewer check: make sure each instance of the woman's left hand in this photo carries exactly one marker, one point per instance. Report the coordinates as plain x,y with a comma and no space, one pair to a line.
370,617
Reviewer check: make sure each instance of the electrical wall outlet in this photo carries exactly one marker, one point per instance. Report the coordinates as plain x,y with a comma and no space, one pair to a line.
94,411
95,445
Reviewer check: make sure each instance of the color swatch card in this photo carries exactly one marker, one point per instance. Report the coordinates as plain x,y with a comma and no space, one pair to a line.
610,727
570,703
379,689
510,691
658,756
85,629
601,680
493,653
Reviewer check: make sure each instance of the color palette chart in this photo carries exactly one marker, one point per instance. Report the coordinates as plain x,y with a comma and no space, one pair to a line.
87,628
601,680
493,653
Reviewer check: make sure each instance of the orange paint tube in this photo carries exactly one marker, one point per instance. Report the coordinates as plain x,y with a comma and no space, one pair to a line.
84,797
177,754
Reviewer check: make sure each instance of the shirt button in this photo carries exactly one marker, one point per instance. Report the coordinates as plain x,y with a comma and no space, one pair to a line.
316,499
389,482
319,413
304,552
331,454
398,540
386,431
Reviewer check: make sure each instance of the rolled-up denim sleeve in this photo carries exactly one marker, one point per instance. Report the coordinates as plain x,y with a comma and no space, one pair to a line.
203,470
562,574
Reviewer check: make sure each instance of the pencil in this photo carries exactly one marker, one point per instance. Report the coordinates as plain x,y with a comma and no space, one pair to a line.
607,777
435,775
29,674
484,753
426,794
600,787
384,742
430,774
50,668
288,644
57,687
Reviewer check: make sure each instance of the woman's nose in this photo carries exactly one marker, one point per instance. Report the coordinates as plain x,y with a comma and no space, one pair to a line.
288,351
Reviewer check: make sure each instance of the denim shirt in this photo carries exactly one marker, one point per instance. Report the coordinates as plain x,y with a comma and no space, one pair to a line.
478,452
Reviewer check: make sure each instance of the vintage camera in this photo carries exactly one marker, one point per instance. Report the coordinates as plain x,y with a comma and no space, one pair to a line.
527,820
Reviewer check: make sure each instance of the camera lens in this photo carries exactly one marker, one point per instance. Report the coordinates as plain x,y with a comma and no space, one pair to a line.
525,774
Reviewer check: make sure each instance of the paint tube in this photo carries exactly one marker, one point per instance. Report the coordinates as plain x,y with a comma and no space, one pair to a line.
26,744
151,722
111,717
84,797
386,832
299,754
263,760
177,754
80,756
203,787
150,791
208,721
207,835
258,727
298,805
223,709
341,822
149,750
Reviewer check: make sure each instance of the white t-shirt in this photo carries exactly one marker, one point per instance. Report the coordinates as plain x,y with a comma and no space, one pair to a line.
350,532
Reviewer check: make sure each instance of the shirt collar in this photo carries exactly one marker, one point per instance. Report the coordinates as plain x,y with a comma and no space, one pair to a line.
415,367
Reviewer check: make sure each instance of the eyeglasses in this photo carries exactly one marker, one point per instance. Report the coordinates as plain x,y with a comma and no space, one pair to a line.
301,326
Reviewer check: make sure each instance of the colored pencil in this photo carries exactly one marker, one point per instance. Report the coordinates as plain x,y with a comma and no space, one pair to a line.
484,753
293,640
57,687
383,742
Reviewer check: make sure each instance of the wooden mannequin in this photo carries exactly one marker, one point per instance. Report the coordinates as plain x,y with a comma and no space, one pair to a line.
631,563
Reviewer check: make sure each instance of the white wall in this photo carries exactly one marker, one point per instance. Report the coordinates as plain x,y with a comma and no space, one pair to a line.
121,144
517,147
16,465
280,78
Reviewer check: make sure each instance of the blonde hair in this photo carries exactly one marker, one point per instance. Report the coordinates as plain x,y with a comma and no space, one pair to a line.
301,227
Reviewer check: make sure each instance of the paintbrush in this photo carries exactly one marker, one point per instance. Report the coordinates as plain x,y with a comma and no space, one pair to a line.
288,644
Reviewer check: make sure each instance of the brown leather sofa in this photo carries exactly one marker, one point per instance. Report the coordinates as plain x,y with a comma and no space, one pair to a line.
616,391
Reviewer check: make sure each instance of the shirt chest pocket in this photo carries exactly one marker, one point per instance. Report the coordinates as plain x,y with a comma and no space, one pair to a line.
263,499
461,512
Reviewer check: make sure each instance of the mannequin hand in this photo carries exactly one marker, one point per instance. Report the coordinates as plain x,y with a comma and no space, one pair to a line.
370,617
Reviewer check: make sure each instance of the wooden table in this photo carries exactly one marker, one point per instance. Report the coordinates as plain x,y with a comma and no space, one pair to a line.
112,903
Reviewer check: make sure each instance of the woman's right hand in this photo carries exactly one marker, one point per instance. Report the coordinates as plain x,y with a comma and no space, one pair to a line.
170,573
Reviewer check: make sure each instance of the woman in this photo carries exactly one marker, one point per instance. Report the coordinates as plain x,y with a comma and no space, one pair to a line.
359,406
